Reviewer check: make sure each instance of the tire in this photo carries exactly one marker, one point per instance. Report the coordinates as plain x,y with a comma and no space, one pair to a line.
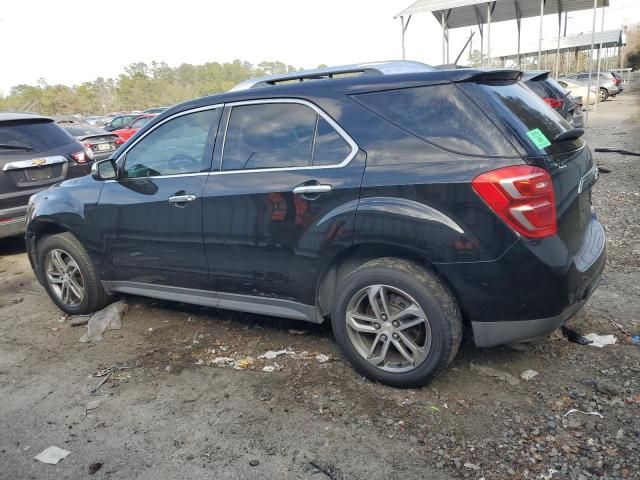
604,94
64,253
404,283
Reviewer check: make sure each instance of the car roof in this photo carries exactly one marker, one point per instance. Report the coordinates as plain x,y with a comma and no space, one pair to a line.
346,84
17,116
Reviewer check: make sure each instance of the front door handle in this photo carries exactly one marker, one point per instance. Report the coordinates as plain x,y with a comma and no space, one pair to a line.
177,199
312,189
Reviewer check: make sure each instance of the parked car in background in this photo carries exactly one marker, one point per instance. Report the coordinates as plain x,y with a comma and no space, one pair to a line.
608,87
554,95
140,121
618,80
35,153
579,89
155,110
120,121
395,201
101,142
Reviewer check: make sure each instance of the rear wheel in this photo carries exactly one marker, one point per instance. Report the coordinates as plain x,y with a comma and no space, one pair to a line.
396,322
604,94
69,276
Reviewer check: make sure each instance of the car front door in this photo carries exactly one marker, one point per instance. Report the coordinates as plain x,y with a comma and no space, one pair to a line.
150,218
279,203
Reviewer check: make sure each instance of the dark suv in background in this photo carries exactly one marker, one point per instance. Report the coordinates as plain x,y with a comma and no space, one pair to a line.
35,153
398,201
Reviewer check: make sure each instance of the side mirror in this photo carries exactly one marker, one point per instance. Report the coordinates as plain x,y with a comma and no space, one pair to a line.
104,170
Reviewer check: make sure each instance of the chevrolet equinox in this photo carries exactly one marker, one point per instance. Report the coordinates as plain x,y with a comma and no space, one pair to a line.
399,201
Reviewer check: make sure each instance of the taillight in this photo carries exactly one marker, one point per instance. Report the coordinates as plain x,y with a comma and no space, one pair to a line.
522,196
119,141
553,102
83,156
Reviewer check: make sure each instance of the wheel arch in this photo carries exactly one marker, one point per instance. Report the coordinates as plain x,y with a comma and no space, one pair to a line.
353,257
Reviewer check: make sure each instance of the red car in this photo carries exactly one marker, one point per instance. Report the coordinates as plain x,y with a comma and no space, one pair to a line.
133,127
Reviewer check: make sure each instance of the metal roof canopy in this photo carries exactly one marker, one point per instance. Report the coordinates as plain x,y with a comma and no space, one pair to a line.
467,13
582,41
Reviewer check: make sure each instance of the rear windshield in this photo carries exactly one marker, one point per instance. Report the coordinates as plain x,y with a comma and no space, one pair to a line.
535,123
36,136
547,87
85,130
441,115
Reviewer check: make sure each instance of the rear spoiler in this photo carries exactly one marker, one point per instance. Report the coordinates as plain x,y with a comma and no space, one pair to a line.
493,76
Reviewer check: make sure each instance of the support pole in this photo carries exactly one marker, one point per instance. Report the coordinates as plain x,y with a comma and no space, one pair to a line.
593,34
489,34
599,59
480,22
557,66
518,22
404,29
443,37
540,35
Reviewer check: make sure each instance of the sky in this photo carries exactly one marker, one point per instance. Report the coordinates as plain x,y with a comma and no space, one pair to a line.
72,41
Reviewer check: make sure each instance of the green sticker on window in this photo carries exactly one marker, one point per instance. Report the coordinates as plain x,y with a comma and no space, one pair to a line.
538,138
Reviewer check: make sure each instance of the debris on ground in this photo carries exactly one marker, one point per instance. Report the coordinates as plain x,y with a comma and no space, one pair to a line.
80,321
223,362
574,336
244,363
322,358
92,405
268,368
109,318
492,372
617,150
528,374
52,455
94,390
94,467
293,331
575,410
635,339
600,340
271,354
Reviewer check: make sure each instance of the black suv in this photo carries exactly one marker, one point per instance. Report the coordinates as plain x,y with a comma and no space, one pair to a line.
399,205
35,153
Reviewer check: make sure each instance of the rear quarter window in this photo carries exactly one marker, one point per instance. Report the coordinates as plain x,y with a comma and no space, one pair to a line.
525,112
441,115
39,136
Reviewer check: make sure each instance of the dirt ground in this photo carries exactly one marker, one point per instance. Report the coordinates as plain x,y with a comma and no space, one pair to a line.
169,411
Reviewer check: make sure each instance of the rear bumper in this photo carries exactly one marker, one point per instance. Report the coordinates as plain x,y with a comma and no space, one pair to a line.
531,290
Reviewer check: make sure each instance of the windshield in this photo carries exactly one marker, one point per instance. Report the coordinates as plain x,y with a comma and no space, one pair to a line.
140,122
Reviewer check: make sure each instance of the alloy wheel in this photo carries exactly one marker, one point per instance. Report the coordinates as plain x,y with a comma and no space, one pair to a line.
388,328
64,276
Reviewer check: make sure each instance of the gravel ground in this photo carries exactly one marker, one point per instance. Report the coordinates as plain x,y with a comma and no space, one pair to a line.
173,409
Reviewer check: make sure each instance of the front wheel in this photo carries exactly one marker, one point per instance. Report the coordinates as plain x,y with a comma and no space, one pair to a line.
69,276
396,322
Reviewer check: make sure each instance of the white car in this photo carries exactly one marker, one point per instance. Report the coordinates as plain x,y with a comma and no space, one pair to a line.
577,89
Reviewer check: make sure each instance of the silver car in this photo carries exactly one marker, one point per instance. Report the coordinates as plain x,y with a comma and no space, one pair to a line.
608,85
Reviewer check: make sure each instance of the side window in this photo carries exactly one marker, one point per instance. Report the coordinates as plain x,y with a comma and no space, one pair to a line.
269,135
329,147
118,121
442,115
176,147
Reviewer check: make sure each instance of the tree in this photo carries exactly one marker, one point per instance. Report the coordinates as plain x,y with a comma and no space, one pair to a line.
632,51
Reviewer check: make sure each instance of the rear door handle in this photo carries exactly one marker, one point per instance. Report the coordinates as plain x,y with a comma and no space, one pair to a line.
182,198
311,189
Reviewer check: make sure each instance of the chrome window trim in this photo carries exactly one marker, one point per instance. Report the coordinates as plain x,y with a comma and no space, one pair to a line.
345,136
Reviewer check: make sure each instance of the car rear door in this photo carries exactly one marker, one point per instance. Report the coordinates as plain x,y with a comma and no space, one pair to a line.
150,218
280,201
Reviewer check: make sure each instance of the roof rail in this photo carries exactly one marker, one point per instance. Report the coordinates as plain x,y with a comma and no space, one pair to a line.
374,68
